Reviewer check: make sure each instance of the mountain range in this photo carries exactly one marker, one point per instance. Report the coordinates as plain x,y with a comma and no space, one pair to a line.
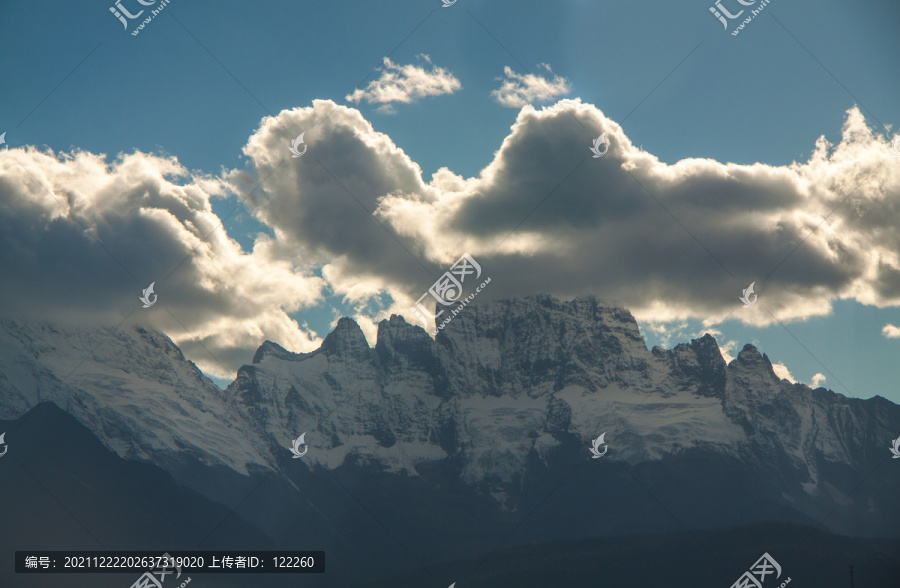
424,451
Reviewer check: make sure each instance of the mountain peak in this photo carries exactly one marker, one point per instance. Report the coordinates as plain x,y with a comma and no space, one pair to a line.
752,373
398,329
749,354
402,346
346,341
274,349
707,350
702,361
751,357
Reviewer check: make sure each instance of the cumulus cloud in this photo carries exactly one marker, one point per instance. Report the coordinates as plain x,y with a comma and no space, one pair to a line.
83,237
667,332
890,331
727,350
670,242
405,84
783,372
517,90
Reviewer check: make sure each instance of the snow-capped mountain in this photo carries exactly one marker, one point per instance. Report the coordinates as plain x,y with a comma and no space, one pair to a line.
512,379
505,390
501,381
132,387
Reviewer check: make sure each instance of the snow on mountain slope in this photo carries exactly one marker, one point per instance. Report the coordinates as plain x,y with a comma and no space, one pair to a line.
131,387
503,384
500,381
809,426
343,402
514,379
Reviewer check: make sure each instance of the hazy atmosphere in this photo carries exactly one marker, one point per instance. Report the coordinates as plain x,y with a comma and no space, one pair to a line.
453,243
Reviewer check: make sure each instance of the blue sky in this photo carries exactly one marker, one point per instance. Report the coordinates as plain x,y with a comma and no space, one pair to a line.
197,81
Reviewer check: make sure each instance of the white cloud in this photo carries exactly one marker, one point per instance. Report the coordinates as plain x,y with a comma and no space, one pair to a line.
598,223
817,381
84,236
667,332
358,210
727,350
890,331
405,84
517,90
783,372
